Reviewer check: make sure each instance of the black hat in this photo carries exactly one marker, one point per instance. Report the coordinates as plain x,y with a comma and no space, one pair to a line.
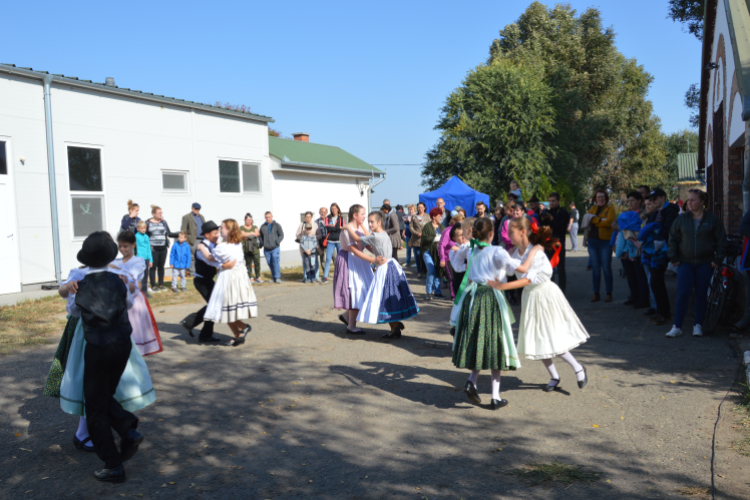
98,250
209,226
533,199
197,206
656,193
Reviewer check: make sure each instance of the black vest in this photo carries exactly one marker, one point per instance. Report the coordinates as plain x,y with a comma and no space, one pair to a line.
102,298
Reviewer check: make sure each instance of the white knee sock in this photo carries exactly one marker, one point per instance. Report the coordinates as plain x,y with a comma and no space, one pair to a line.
571,360
473,377
83,429
495,384
552,369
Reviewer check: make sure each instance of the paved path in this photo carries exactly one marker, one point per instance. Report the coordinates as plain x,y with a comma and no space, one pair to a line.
302,411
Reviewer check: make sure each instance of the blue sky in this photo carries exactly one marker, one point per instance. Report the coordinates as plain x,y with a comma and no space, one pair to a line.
369,77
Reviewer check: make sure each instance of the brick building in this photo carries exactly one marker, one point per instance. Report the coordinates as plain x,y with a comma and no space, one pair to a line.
725,107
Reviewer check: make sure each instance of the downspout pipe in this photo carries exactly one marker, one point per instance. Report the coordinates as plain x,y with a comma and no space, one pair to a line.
51,174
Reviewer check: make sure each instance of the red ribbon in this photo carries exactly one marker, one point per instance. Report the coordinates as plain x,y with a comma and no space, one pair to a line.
555,260
534,226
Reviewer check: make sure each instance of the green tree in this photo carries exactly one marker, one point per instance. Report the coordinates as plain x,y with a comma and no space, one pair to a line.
598,94
494,128
690,13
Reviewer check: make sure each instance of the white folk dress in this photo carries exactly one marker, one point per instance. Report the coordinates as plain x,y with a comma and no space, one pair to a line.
549,326
233,298
360,275
145,332
134,390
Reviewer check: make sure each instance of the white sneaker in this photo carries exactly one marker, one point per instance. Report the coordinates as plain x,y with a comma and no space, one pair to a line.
674,332
413,265
697,331
149,290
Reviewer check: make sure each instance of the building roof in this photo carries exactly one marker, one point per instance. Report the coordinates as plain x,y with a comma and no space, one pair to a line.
310,154
11,69
687,166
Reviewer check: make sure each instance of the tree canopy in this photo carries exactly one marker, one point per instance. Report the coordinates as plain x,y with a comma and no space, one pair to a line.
690,13
579,106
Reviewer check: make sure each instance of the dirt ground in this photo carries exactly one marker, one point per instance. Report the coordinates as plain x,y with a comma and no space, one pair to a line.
303,411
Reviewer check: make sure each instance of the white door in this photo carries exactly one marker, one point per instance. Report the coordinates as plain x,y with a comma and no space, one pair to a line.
10,278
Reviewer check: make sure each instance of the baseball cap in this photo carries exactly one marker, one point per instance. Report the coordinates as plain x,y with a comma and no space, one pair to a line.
657,193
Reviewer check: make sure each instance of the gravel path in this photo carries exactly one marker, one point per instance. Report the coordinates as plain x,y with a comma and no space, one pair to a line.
303,411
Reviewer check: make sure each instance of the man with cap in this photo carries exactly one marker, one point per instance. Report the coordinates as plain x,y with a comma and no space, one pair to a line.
102,298
205,272
664,214
192,224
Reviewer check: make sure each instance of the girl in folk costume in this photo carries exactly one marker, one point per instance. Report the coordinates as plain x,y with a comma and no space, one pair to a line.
233,298
549,326
145,332
484,339
352,275
134,391
389,298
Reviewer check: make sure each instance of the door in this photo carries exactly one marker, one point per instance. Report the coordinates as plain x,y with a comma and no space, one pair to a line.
10,278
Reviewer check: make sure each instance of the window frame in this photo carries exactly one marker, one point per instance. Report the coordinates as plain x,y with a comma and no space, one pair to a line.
239,162
185,173
72,195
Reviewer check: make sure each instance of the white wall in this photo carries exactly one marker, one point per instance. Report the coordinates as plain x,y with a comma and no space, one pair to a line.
138,140
296,193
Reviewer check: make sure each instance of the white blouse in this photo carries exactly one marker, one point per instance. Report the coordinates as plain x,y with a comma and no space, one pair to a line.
134,269
458,257
227,252
491,263
75,274
540,270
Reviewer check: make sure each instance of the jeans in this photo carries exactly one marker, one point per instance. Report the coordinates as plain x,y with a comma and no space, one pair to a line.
647,272
573,237
433,281
600,253
419,260
408,252
273,258
659,287
310,267
689,277
329,255
178,274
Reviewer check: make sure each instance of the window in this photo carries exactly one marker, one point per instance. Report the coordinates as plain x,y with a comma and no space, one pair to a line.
86,190
3,159
87,215
85,169
233,179
174,181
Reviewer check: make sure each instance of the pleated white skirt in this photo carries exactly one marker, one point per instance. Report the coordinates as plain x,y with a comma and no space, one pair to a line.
360,278
549,326
233,297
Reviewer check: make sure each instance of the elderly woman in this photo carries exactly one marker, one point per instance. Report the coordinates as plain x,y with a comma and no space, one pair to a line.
416,222
430,241
158,235
600,250
696,246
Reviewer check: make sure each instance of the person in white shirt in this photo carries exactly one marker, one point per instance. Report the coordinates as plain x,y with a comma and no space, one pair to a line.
549,327
484,338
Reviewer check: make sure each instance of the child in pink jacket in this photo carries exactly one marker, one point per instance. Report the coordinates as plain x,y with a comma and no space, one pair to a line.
444,248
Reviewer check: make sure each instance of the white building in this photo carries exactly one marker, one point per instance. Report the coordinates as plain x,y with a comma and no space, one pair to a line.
111,144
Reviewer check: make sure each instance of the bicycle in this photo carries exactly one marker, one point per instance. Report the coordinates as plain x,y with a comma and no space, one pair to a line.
721,289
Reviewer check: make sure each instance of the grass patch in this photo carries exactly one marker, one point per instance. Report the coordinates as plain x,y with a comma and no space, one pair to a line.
33,322
695,491
30,323
556,472
287,274
743,408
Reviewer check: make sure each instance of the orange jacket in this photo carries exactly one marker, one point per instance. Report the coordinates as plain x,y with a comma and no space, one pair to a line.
604,221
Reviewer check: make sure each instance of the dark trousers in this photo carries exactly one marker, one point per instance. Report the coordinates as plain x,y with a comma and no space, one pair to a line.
252,259
101,374
559,272
456,279
159,255
395,253
144,281
204,286
659,287
637,281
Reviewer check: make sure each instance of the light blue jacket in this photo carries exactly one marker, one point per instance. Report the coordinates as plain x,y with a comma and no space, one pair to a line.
143,246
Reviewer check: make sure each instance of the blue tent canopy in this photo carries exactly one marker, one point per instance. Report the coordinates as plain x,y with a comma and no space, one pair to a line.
455,192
